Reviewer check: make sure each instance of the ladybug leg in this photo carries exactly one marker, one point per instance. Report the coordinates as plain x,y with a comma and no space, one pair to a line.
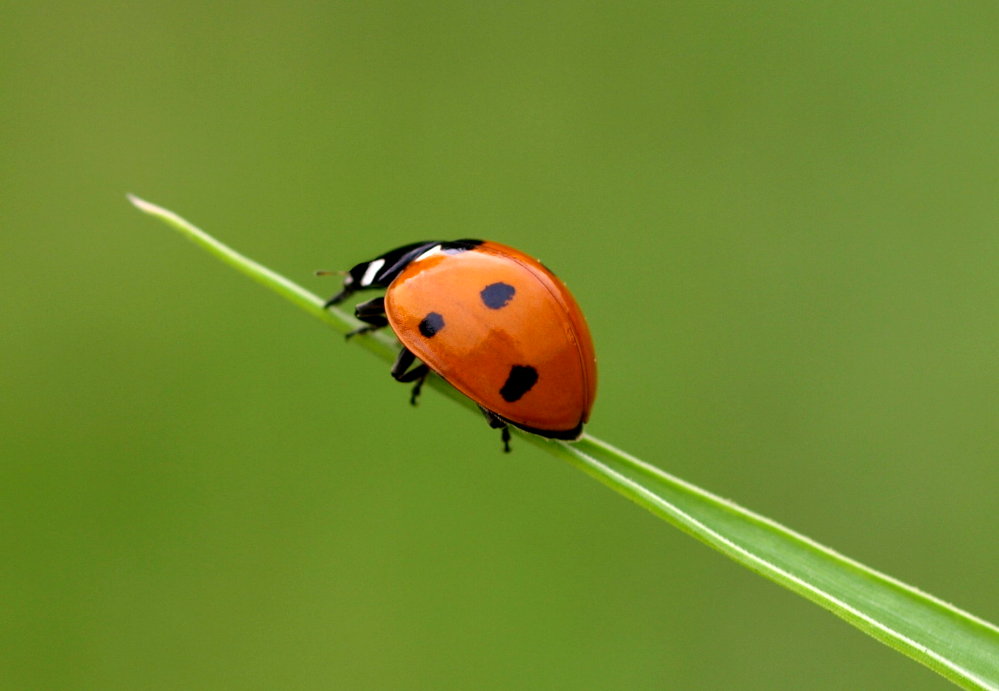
496,422
417,374
372,313
418,386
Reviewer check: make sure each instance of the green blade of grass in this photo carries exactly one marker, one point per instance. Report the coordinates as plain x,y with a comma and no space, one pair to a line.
957,645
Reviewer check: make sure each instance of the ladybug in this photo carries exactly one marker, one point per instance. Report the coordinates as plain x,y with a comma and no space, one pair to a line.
493,322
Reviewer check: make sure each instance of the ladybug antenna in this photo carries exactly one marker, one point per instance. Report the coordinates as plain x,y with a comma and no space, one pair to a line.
322,272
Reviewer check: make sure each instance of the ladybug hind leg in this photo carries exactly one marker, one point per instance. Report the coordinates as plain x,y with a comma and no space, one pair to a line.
403,371
496,422
372,313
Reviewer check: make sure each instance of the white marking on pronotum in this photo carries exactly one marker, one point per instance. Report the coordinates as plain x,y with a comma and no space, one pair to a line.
436,249
369,273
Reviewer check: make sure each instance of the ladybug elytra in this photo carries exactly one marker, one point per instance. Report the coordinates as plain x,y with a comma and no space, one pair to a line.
490,320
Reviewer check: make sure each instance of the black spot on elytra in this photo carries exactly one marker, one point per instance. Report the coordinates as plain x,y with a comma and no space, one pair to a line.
496,295
521,379
431,324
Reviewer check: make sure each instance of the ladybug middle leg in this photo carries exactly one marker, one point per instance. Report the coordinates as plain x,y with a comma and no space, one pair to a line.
372,313
403,371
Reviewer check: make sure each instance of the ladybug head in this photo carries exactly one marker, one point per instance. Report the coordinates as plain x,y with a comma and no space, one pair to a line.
353,281
378,272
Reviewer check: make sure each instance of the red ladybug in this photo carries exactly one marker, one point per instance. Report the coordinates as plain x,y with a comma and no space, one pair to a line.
493,322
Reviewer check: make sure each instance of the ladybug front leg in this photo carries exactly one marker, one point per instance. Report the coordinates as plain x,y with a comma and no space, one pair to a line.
417,374
372,313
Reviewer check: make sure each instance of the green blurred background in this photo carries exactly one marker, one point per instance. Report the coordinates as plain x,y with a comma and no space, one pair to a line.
782,221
